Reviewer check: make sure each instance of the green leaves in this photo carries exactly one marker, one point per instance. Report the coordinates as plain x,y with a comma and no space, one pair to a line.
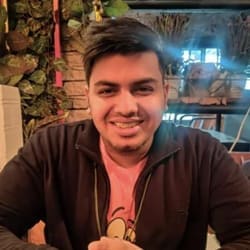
15,79
74,24
26,87
3,17
76,8
115,8
29,62
40,44
17,41
34,25
40,9
21,7
12,68
38,77
59,64
26,63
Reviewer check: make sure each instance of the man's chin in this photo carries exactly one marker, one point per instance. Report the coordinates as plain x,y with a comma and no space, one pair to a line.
126,148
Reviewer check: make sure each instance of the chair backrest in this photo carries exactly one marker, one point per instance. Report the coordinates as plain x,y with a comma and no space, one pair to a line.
200,121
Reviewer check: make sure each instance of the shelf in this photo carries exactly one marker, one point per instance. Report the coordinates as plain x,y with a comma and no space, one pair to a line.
236,107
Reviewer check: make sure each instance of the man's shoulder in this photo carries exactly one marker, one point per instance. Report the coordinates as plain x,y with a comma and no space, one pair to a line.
55,132
66,126
180,131
183,135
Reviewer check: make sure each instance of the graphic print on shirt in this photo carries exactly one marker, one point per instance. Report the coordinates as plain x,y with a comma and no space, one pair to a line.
118,227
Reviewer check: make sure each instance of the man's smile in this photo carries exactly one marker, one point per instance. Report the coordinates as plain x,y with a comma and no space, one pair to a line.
126,124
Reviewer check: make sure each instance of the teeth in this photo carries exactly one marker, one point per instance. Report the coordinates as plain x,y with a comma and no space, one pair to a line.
126,125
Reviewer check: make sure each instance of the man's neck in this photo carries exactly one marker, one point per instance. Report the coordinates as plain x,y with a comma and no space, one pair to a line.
126,159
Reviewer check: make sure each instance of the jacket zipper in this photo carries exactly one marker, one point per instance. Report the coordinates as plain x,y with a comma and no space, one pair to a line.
96,200
150,168
145,173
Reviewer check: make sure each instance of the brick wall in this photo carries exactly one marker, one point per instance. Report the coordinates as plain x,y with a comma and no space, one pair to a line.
75,86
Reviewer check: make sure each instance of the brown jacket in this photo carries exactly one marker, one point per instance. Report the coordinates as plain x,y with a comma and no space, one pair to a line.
194,182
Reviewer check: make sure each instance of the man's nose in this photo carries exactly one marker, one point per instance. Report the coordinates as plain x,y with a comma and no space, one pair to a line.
126,104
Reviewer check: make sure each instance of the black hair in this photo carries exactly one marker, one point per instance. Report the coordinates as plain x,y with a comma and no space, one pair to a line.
123,36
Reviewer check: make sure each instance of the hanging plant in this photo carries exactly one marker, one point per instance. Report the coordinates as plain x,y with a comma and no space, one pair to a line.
3,19
77,14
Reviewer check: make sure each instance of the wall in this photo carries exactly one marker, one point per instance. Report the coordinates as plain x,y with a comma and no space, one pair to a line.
75,85
11,135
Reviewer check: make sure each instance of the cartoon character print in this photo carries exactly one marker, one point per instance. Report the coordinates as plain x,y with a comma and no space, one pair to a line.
118,227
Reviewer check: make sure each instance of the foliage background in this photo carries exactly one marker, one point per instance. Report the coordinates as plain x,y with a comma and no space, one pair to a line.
27,53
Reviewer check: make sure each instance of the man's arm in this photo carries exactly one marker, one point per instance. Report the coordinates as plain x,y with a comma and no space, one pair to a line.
21,196
229,202
10,241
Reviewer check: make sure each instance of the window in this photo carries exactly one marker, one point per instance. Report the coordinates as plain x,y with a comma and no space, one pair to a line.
203,55
247,86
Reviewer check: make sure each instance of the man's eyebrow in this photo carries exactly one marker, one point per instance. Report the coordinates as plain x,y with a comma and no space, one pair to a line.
145,80
135,82
105,83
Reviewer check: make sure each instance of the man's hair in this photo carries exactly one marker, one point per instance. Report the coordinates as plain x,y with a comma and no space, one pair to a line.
123,36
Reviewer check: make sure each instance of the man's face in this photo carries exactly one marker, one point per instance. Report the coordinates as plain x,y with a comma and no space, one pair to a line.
127,97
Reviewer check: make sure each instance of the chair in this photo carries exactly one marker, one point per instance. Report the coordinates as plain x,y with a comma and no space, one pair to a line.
205,121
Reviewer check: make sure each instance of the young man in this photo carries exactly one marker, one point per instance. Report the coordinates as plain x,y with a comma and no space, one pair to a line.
125,174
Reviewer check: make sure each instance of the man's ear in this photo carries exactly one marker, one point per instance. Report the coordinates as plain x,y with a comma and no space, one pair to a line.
166,88
86,92
87,89
166,91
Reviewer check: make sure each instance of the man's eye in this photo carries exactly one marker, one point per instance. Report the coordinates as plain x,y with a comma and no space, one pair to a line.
144,90
106,92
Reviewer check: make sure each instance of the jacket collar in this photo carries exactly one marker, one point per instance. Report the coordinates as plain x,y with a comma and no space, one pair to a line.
88,141
164,143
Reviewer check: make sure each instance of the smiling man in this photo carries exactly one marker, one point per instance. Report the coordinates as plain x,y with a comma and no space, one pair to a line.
124,180
127,103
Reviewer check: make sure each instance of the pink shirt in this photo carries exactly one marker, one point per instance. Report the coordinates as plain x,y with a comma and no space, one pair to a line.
122,203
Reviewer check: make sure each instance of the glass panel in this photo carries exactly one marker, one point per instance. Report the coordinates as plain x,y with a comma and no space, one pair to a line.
247,86
195,55
211,55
